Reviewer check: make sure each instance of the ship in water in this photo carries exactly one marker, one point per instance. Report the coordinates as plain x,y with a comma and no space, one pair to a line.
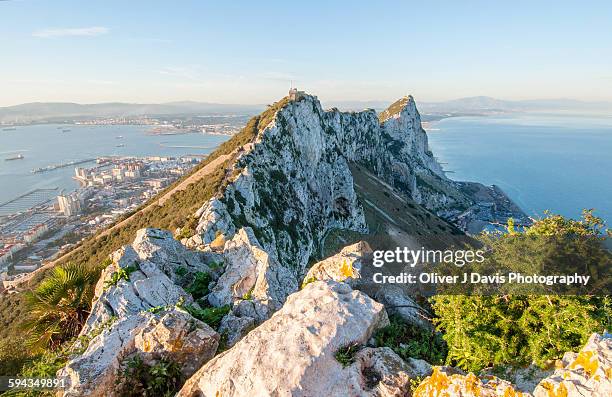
9,129
18,157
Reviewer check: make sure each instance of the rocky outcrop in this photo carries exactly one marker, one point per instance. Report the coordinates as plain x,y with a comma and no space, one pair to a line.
344,266
449,382
587,373
135,313
293,353
294,185
173,335
252,274
143,276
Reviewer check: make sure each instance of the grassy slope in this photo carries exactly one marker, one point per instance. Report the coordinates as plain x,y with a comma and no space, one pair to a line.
392,218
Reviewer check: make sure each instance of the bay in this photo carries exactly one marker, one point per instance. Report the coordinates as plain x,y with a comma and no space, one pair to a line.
43,145
555,162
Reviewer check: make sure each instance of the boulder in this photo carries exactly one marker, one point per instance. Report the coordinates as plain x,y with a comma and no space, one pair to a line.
588,373
382,373
293,353
251,274
179,337
172,335
243,257
344,266
450,382
399,303
234,327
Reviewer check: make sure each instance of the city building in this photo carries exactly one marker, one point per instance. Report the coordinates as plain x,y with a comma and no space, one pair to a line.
35,234
7,252
69,205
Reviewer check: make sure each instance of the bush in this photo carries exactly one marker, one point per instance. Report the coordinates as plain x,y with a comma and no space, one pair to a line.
59,306
346,354
135,378
409,340
210,315
199,286
515,329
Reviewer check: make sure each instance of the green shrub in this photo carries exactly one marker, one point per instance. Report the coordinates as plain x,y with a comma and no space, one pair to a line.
123,273
346,354
519,329
135,378
210,315
409,340
199,286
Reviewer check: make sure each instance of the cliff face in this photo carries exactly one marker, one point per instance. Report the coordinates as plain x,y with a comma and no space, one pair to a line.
293,184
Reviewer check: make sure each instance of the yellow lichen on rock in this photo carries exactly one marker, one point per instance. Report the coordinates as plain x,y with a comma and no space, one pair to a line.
552,391
587,360
435,385
347,270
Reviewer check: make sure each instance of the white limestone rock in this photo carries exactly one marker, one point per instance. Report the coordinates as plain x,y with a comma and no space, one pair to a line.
177,336
173,335
379,372
344,266
140,277
251,272
588,373
292,353
235,328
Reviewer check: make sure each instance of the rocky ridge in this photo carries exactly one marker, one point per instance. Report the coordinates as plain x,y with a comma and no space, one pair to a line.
254,241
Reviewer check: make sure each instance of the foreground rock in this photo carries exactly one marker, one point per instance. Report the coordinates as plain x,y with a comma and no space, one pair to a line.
449,382
293,353
588,373
172,335
135,313
381,372
344,266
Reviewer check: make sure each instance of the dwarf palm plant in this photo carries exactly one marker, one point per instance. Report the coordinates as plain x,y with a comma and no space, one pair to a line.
59,306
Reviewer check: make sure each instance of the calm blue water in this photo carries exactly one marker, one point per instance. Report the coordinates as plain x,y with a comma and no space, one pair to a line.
43,145
543,162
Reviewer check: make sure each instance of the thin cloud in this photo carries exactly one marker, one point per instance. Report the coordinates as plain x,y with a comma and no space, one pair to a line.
72,32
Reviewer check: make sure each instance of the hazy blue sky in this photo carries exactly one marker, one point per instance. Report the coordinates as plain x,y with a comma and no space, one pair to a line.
248,51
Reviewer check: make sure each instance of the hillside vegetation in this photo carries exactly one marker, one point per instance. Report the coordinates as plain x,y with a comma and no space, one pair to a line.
173,214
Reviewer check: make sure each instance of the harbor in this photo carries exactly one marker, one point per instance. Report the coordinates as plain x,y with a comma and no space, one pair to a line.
61,165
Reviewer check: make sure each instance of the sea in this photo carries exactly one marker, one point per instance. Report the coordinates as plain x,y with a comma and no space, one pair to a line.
556,162
50,144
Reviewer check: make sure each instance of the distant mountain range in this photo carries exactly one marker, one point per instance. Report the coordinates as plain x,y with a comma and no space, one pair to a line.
66,111
485,104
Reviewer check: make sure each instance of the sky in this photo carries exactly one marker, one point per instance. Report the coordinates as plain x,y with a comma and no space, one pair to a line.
250,51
